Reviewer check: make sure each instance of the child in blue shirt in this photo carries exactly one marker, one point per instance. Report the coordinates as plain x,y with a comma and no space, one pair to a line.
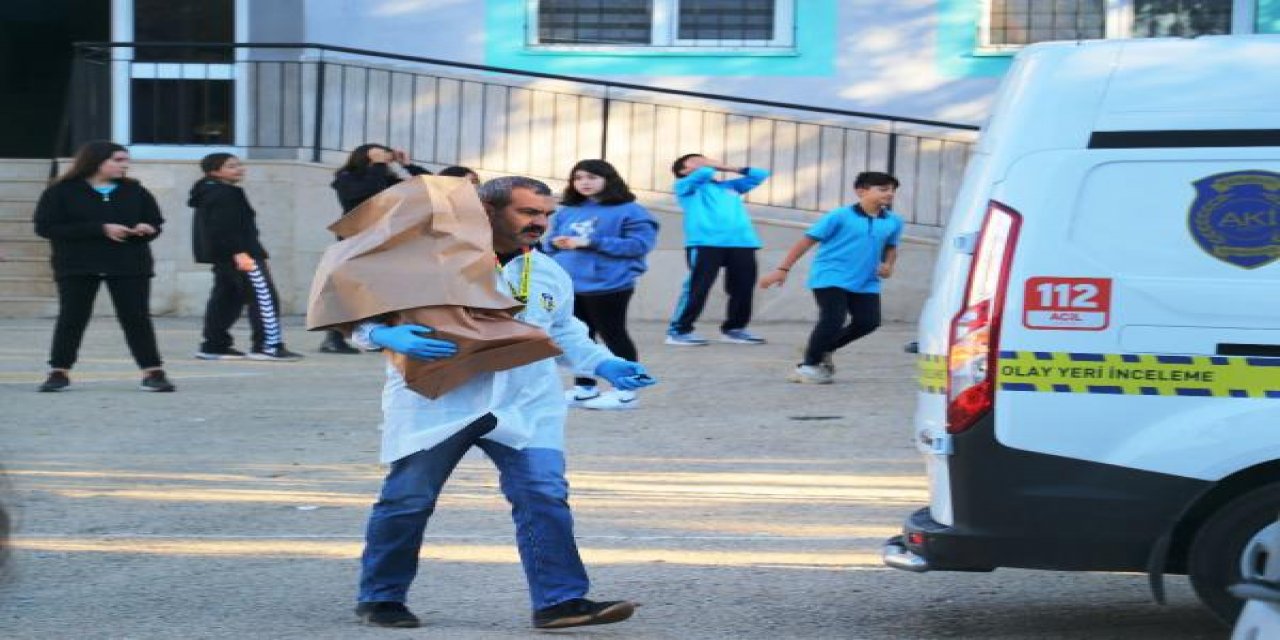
858,245
601,237
717,233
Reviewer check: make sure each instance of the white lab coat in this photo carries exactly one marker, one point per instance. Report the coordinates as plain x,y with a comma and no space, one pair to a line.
528,401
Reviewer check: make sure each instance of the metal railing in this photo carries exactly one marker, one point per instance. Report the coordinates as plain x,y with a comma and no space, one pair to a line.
316,102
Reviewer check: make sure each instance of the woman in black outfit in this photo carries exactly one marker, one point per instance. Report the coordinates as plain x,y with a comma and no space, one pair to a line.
367,172
100,225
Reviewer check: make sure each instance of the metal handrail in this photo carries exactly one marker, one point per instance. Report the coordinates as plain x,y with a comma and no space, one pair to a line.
609,84
295,110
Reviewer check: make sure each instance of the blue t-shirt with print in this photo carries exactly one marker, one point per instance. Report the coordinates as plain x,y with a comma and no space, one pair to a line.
851,248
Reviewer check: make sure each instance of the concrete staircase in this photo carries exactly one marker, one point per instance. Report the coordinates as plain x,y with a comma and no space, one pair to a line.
26,281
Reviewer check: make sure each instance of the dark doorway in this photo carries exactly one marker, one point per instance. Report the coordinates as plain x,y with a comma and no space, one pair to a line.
35,64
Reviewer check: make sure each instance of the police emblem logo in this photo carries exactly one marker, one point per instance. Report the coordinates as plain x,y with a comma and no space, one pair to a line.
1236,217
548,302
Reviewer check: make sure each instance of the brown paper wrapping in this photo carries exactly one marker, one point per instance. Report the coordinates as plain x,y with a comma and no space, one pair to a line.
421,252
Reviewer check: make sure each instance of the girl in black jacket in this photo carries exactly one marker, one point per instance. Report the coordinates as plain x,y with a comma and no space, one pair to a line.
224,234
100,225
366,173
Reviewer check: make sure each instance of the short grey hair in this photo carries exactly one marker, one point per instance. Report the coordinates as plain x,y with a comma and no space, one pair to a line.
497,192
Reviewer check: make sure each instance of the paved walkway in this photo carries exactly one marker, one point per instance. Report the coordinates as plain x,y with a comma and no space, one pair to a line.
733,505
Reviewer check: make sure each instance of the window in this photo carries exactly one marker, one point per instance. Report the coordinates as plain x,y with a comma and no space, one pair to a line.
671,25
1019,22
178,96
190,112
1010,24
1163,18
183,21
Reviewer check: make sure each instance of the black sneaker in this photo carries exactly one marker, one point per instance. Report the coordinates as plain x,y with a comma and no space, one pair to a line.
57,381
275,354
581,611
387,614
337,346
220,354
156,381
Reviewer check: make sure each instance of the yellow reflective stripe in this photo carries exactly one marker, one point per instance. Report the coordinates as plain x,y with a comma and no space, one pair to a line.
1139,374
932,373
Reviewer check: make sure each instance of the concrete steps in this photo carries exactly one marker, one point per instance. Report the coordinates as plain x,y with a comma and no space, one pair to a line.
23,248
26,267
28,307
24,169
17,229
21,188
28,287
26,281
17,209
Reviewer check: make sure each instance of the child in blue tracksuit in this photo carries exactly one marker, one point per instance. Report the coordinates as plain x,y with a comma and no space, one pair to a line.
717,233
600,236
857,248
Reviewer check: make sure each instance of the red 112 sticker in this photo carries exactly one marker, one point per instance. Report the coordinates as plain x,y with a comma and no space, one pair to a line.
1070,304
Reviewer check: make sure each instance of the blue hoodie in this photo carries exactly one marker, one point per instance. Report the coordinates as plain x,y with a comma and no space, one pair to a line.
621,235
714,215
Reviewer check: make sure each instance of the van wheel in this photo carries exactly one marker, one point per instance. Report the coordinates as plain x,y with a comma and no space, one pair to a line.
1232,544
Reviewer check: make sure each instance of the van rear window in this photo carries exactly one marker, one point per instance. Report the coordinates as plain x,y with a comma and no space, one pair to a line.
1185,138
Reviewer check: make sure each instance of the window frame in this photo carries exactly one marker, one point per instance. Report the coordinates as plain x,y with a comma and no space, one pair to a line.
125,70
1118,22
664,33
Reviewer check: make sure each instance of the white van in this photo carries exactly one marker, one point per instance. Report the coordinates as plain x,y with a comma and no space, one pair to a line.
1100,349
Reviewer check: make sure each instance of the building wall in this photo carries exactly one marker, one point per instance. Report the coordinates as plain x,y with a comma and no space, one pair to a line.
900,58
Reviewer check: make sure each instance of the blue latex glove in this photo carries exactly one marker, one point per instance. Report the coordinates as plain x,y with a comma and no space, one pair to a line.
410,340
624,374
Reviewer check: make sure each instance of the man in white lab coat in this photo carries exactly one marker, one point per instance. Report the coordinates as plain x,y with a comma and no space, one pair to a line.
516,417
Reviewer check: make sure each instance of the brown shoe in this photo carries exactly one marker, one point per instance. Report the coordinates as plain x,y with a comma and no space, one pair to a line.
581,612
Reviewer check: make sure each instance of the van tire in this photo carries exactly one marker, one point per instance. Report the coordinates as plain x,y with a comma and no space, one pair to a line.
1213,562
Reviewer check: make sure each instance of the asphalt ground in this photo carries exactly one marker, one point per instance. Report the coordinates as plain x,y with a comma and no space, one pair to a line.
732,505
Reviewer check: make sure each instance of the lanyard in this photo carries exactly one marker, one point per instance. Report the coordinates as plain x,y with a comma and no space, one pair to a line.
526,275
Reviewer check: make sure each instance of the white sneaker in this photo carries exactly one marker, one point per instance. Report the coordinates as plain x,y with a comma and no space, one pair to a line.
614,401
741,336
690,339
577,395
808,374
829,363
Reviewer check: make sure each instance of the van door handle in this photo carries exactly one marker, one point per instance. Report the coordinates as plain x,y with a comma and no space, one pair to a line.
1240,349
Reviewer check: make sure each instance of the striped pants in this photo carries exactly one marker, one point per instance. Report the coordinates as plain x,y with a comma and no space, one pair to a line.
233,290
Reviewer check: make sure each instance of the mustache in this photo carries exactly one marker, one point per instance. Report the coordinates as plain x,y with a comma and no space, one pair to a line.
533,228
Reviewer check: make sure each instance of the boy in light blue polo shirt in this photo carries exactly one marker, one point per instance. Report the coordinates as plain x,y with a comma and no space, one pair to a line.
857,247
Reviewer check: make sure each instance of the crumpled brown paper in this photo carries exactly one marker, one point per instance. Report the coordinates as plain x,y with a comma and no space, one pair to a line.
421,252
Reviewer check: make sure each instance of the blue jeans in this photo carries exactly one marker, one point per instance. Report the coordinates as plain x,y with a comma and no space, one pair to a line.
533,482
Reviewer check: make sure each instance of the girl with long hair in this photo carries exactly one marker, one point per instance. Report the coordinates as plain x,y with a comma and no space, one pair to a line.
600,235
100,225
367,171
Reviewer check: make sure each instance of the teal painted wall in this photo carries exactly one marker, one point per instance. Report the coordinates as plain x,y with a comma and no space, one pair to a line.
1268,16
958,22
816,22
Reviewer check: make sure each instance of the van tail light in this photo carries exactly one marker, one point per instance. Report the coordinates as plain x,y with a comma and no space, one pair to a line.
975,330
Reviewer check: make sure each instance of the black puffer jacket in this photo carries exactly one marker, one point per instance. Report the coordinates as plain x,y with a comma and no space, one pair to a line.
225,223
354,187
71,214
